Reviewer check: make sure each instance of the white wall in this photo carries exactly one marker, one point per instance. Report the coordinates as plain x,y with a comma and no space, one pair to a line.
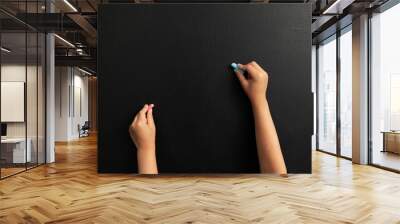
71,102
16,73
12,73
33,127
62,81
80,111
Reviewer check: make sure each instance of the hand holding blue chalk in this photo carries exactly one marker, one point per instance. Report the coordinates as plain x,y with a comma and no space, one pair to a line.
236,68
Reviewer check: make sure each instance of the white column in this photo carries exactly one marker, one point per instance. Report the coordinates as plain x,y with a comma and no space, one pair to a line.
50,99
360,90
50,93
63,85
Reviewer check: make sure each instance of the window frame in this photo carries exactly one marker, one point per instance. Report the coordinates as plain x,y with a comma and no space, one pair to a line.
334,37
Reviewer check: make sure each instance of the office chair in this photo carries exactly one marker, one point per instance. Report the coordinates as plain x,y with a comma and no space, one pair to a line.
84,130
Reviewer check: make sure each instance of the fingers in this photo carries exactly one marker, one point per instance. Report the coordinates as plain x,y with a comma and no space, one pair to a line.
145,115
250,68
253,69
253,63
242,79
150,119
141,116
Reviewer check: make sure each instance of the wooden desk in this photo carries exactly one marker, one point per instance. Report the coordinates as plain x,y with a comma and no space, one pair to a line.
13,150
391,141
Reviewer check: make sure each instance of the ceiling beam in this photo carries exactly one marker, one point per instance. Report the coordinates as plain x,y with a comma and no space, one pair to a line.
81,61
84,24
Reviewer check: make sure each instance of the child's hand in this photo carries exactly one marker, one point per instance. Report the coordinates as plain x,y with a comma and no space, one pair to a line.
143,129
268,148
255,85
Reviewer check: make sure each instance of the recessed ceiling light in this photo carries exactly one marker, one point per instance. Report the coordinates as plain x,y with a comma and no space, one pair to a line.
338,6
65,41
84,71
70,5
5,50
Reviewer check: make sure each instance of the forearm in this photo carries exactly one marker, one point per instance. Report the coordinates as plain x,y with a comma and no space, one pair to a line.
147,163
268,147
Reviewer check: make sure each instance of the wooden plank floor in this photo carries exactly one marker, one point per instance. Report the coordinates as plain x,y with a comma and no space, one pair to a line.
70,191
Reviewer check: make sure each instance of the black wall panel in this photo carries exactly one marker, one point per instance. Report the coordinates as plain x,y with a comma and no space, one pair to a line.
177,56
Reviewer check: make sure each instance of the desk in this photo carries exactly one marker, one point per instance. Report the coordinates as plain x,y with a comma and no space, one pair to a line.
391,141
13,150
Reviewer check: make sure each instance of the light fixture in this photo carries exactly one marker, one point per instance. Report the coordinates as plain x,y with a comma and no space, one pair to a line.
335,7
65,41
5,50
70,5
84,71
79,51
326,11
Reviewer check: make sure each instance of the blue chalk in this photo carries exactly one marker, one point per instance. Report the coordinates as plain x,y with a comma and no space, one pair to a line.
236,68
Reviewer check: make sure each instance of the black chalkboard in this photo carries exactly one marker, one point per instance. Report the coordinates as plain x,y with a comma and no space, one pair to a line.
177,56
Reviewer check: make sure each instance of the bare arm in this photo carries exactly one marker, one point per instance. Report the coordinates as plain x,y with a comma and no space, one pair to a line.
268,147
143,134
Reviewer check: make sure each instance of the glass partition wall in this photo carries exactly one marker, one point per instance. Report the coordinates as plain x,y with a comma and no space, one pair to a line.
22,88
334,94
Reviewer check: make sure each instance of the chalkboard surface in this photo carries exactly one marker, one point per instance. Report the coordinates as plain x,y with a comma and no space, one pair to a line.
177,56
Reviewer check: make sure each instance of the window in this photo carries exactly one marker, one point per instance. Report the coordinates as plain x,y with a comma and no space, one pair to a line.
385,88
346,93
327,95
334,106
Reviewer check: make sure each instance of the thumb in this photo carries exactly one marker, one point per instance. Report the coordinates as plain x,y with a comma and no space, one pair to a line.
150,119
243,81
